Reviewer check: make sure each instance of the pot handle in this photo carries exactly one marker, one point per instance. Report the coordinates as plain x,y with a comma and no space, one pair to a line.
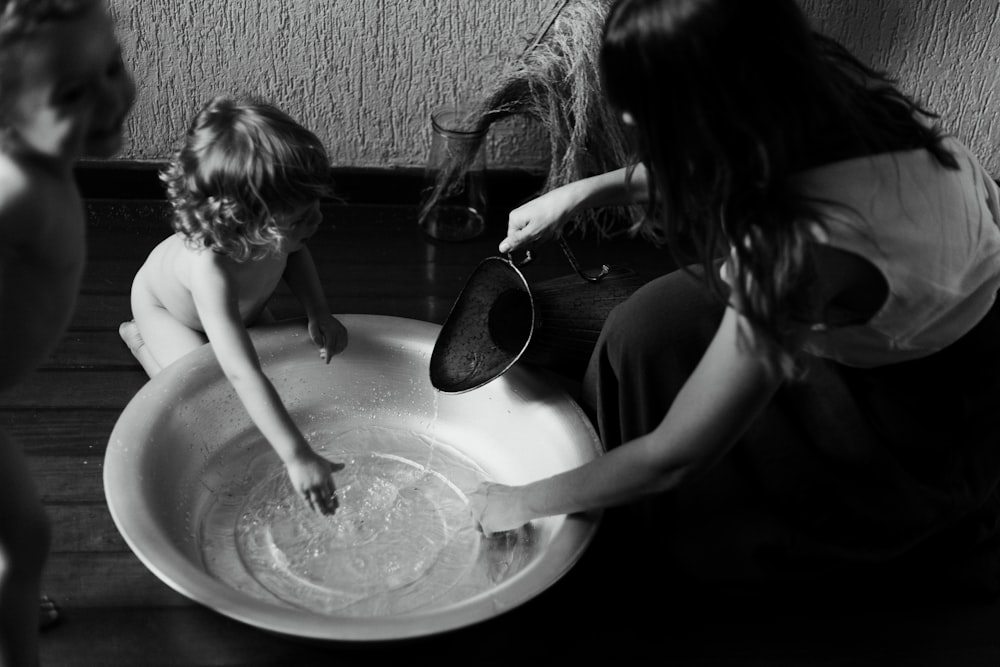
597,277
518,264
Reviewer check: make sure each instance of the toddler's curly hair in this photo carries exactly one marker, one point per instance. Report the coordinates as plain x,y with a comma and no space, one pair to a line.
243,161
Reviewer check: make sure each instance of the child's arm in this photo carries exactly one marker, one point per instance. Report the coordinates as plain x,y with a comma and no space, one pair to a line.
726,391
215,297
541,219
302,278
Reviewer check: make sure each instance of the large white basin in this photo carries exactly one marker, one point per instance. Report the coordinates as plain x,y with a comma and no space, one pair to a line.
184,463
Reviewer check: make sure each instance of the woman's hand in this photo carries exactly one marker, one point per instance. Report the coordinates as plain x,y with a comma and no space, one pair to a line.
496,508
312,478
538,221
329,335
543,218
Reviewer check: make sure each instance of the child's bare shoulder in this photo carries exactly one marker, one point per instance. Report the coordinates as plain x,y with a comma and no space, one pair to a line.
19,201
31,199
206,263
193,265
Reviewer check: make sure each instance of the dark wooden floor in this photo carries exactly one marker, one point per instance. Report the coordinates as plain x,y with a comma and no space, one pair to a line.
115,612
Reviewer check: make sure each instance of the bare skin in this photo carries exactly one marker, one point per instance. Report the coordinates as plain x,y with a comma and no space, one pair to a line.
728,389
184,297
75,95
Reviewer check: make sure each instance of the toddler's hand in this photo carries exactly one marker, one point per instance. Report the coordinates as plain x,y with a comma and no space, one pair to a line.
495,509
312,478
329,334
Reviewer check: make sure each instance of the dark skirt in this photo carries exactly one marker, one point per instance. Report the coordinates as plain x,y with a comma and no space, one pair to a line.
845,469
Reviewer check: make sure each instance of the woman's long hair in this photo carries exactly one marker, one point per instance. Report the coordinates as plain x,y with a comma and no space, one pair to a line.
730,99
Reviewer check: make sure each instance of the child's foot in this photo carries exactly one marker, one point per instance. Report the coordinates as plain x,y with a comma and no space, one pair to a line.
48,613
129,332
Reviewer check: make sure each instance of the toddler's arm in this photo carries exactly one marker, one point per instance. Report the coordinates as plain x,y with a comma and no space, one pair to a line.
215,298
325,330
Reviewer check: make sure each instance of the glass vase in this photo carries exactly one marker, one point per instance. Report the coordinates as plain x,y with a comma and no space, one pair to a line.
454,205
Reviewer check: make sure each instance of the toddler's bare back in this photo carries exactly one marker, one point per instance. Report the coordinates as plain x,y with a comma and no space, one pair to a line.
166,280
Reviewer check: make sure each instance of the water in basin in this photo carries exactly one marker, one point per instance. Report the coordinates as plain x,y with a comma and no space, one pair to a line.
402,538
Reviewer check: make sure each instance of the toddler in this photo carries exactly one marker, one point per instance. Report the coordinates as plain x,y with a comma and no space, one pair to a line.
245,188
64,92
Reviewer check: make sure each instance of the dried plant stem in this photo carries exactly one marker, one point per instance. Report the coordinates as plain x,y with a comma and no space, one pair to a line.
557,83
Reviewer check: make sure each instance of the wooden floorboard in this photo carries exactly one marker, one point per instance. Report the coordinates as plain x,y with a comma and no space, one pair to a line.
69,388
172,636
109,579
373,259
67,480
52,433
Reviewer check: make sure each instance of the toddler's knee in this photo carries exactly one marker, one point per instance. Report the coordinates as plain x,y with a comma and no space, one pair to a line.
129,333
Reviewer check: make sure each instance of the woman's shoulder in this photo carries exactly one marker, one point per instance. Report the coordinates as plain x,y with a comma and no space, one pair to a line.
856,184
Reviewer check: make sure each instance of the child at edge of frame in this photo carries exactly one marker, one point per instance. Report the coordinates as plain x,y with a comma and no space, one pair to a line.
65,93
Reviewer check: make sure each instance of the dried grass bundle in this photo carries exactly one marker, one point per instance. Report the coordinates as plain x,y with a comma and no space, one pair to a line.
557,83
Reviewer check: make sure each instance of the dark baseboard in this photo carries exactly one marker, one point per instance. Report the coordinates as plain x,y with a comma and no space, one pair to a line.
121,179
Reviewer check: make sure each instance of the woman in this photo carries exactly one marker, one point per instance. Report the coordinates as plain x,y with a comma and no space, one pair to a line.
817,392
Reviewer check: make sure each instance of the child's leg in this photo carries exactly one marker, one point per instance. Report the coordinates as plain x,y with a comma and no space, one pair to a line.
156,339
129,332
265,317
24,545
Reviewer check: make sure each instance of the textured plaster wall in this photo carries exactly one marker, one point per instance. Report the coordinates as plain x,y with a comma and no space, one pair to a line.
944,52
364,74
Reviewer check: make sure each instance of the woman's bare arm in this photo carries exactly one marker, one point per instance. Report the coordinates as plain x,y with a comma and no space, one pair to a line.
542,218
725,393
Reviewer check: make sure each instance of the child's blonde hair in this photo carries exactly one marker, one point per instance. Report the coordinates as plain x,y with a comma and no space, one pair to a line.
21,20
242,162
